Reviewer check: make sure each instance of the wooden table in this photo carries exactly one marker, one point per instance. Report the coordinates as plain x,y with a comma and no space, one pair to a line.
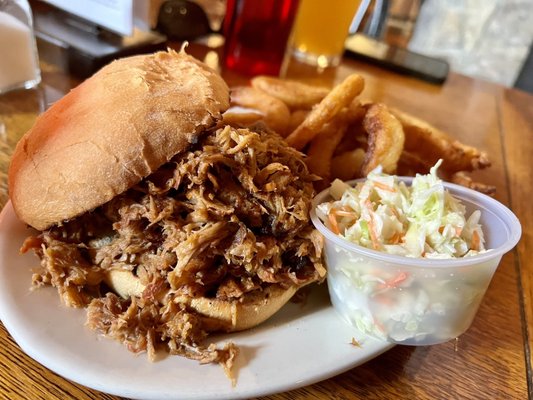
492,360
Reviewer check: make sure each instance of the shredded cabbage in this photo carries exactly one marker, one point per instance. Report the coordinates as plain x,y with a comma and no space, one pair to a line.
423,220
404,303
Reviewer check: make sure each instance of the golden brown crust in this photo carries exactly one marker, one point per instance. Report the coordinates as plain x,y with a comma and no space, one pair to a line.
434,144
111,131
385,139
228,316
234,316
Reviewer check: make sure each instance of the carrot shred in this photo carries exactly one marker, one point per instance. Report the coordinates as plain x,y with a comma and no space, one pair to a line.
476,241
382,186
395,212
373,233
402,276
396,238
372,226
394,282
334,224
342,213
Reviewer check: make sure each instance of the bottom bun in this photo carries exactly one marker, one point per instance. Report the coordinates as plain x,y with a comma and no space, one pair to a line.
227,316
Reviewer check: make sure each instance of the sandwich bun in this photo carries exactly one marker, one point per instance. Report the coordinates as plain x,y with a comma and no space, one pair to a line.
110,132
227,316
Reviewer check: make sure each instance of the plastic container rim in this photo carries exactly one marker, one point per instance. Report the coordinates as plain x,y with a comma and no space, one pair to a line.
461,192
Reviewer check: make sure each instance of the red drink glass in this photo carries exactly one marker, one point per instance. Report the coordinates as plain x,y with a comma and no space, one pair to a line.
257,33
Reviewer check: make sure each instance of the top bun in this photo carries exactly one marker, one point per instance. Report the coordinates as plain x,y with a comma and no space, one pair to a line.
110,132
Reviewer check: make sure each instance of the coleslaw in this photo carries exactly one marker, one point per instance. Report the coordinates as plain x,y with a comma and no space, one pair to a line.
423,220
419,302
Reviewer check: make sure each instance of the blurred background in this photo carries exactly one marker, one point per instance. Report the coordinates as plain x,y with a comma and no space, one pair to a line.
487,39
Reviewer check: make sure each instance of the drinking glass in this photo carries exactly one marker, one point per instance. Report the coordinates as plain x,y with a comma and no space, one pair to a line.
320,29
19,63
257,33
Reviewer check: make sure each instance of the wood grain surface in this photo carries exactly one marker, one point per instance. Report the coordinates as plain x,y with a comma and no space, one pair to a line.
492,360
516,118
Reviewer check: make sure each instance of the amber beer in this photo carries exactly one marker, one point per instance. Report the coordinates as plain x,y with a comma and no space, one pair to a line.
320,29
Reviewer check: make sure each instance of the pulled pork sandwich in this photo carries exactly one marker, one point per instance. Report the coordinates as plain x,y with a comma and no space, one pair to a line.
164,224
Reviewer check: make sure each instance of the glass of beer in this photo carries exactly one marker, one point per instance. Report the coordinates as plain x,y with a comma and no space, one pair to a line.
320,30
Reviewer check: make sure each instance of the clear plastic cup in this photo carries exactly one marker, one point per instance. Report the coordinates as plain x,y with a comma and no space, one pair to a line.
416,301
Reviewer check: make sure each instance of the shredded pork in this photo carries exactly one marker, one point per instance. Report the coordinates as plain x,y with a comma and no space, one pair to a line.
224,219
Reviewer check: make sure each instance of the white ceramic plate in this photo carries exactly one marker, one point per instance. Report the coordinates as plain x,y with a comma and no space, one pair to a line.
300,345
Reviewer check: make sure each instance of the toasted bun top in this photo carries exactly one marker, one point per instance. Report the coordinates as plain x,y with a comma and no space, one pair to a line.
110,132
